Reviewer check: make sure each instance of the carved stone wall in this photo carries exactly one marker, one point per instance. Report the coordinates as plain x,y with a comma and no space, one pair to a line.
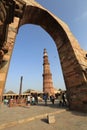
73,59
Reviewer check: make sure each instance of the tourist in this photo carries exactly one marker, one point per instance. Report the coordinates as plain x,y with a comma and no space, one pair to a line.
33,100
52,98
63,99
45,97
36,98
60,99
28,100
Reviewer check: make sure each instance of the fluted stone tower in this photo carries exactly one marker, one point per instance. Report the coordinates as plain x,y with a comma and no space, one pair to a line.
47,76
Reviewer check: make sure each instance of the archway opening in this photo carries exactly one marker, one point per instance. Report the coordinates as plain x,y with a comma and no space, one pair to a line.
27,60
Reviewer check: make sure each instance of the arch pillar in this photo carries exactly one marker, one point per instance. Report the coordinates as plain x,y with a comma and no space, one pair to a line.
12,31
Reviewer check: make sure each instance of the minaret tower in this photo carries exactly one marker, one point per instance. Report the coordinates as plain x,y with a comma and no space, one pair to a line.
47,76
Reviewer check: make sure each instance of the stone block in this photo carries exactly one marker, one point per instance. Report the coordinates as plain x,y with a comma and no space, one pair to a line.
50,119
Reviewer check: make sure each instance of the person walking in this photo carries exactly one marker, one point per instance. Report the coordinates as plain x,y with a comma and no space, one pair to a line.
28,100
45,97
63,99
60,99
52,98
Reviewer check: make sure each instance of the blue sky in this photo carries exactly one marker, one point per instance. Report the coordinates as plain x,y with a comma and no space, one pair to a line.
27,58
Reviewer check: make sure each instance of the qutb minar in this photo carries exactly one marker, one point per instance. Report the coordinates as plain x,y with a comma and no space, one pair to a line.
47,76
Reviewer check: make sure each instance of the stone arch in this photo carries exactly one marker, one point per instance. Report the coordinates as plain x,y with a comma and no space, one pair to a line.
72,57
68,49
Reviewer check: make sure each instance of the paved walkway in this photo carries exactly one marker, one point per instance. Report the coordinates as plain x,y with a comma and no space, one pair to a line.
35,118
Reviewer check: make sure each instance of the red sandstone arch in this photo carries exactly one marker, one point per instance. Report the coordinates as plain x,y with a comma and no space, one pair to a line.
71,67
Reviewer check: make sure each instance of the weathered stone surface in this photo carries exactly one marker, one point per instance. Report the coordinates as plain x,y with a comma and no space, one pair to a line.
2,13
51,119
12,30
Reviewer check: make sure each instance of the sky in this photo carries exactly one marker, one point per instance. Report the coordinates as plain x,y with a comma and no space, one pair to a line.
27,57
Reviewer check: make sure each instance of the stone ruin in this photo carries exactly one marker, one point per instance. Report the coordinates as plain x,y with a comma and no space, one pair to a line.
73,59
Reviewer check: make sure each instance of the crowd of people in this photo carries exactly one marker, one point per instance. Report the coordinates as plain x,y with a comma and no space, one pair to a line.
33,99
60,97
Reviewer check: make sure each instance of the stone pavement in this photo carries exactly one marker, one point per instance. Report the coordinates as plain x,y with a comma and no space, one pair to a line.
35,118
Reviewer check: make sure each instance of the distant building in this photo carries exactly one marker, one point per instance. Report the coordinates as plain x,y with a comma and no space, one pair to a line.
47,76
11,95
